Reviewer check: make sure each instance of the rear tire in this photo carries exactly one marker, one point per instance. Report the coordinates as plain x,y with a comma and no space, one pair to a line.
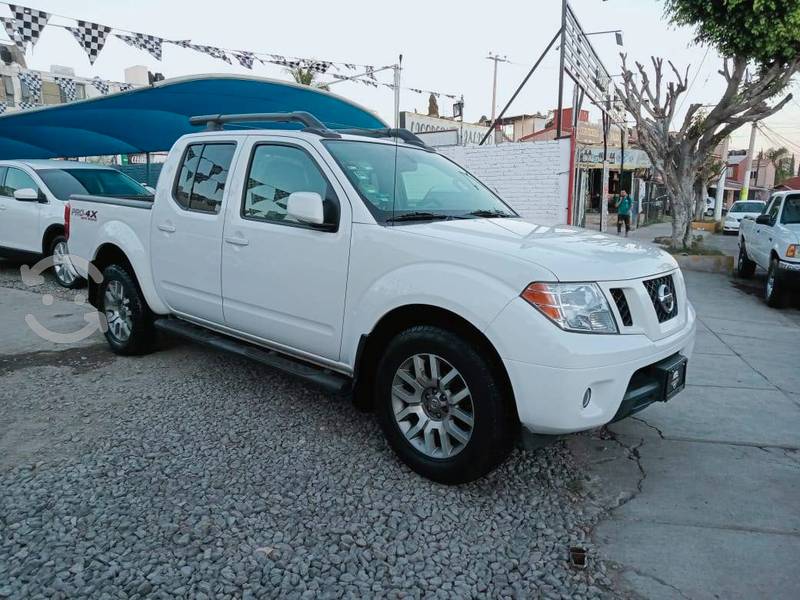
773,289
63,270
441,406
745,267
130,321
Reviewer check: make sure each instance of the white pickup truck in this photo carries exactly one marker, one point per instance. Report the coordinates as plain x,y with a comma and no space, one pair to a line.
366,262
33,194
772,242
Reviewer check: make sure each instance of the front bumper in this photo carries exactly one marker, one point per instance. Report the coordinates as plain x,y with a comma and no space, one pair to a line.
728,226
789,273
549,398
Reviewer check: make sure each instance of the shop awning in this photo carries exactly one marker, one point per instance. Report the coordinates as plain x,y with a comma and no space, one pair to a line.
151,119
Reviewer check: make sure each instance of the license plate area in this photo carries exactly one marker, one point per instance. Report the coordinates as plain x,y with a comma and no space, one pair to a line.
672,374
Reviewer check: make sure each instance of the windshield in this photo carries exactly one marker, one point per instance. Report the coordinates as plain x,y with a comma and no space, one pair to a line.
97,182
747,207
791,210
426,186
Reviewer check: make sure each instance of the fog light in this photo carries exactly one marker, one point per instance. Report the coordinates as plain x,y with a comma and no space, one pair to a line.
587,396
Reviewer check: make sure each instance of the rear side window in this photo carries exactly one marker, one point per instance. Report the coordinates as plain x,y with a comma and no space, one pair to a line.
201,180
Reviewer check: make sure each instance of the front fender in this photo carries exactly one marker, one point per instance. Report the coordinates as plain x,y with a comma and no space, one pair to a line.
126,239
473,294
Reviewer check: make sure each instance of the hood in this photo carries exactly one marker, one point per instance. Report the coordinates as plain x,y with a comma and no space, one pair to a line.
571,253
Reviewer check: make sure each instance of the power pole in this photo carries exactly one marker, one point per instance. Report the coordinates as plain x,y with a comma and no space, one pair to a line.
497,59
720,198
748,164
397,68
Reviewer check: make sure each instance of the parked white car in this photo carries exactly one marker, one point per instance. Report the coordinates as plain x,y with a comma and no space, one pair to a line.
370,263
772,242
33,194
741,209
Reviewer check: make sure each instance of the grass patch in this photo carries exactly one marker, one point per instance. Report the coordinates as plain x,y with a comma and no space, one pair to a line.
695,247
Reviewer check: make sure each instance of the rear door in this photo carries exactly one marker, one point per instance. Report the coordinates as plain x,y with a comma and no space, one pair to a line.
20,220
284,282
186,230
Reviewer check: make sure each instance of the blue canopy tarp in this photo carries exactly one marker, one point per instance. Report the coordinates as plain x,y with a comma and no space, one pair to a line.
151,119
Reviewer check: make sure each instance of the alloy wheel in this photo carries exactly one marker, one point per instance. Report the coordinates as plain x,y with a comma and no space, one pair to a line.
65,272
432,406
116,306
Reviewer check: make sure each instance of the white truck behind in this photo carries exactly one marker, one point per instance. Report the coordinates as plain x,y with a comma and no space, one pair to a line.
772,241
365,262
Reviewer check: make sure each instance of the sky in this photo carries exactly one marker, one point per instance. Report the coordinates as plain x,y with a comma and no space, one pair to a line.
444,47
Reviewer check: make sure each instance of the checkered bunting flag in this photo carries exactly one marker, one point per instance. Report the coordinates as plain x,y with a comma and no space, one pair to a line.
124,87
318,66
149,43
26,25
350,67
211,51
100,85
67,86
26,104
244,58
91,37
371,72
3,107
33,82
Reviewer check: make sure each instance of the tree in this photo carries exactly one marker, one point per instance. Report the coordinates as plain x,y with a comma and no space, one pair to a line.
433,106
779,158
307,77
758,36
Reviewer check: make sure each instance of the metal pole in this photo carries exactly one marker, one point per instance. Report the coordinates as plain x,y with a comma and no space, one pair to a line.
720,197
748,165
521,85
147,167
563,33
397,68
604,188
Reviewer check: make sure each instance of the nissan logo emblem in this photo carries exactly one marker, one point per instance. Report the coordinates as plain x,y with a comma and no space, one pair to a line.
665,298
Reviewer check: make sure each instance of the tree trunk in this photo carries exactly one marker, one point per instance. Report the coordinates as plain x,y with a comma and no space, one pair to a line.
680,188
699,199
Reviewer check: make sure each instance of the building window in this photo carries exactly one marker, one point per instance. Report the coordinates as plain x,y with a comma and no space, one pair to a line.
754,174
51,93
8,91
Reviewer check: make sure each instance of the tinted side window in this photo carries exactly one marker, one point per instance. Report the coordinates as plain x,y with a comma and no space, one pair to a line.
202,177
774,209
17,179
277,171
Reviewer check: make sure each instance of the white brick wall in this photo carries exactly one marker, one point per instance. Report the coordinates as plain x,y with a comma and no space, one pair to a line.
532,177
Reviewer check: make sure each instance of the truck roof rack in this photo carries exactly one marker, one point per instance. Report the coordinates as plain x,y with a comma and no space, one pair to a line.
311,123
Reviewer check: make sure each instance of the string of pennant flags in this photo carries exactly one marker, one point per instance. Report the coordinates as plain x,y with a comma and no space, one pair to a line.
25,25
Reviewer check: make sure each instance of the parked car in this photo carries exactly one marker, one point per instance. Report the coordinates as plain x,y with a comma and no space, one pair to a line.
772,242
741,209
368,263
33,194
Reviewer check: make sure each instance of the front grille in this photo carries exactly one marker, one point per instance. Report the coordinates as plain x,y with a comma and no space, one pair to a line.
653,286
622,306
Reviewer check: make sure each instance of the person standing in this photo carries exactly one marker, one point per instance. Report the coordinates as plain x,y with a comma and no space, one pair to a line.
623,206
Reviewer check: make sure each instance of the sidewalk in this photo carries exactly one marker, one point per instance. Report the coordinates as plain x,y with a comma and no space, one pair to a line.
706,485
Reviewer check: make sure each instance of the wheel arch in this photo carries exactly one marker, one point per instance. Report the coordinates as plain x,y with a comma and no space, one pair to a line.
51,233
371,345
108,254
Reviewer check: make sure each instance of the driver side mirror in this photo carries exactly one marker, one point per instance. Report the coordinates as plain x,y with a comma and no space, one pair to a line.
26,195
306,207
764,220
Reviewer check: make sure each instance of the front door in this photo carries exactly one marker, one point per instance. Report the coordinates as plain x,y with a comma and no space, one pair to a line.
764,233
186,231
19,221
282,281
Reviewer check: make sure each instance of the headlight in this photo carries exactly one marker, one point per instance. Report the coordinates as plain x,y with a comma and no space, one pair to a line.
572,306
793,251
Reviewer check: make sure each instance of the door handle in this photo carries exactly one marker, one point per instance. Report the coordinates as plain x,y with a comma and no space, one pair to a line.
167,228
237,241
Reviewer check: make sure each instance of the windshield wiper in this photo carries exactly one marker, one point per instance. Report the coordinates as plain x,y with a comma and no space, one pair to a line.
489,213
418,216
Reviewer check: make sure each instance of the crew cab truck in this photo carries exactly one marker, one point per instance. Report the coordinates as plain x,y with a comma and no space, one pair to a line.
32,198
366,262
772,242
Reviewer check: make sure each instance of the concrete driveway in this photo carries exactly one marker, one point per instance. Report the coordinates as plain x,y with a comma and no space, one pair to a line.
707,485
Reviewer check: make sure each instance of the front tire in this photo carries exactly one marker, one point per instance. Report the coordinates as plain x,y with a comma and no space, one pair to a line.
64,272
773,289
745,267
441,406
130,321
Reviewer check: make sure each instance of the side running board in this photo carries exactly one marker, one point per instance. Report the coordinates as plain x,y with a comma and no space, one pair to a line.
327,380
